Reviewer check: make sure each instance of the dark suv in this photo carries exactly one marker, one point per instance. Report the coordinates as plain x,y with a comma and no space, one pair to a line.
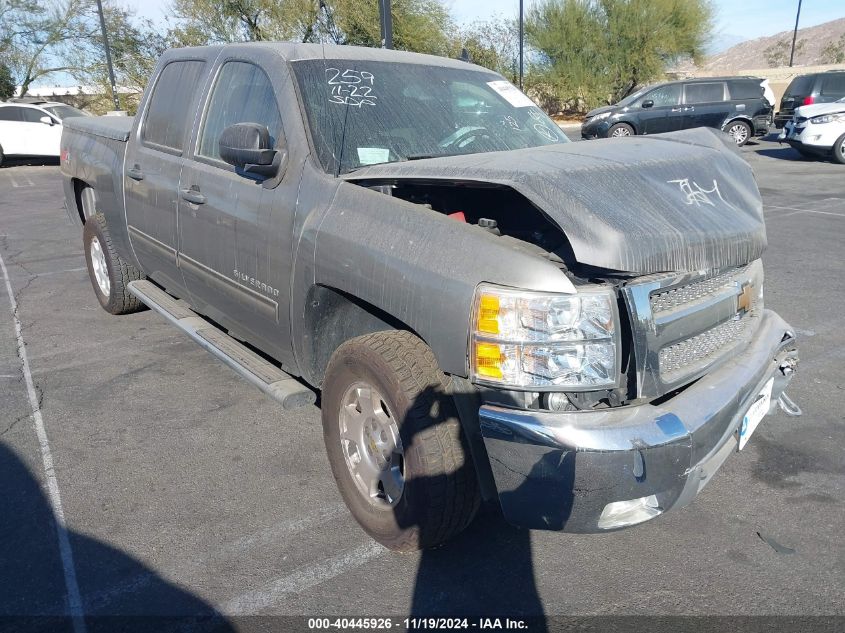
809,89
735,105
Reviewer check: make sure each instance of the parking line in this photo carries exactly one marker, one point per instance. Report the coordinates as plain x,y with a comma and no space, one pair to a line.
253,602
66,553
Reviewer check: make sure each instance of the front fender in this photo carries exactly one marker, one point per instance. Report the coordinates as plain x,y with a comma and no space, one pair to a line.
419,266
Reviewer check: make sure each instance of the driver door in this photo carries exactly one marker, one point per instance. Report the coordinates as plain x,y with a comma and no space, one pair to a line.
228,220
664,114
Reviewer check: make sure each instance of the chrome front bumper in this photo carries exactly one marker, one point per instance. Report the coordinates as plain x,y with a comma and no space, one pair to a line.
559,471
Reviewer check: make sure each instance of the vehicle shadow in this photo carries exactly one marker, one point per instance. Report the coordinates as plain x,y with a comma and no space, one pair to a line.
785,152
118,593
24,162
486,571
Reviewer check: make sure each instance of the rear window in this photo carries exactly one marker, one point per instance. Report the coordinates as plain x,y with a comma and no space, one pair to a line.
169,114
704,93
833,84
800,86
745,89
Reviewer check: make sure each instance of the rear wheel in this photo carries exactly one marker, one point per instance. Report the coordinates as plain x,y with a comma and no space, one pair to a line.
739,131
620,129
839,150
2,156
110,274
395,443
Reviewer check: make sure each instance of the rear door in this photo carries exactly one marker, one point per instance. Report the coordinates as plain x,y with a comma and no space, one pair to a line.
229,220
705,104
831,87
154,161
664,114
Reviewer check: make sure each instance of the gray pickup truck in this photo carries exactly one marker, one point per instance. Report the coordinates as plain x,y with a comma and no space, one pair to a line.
488,311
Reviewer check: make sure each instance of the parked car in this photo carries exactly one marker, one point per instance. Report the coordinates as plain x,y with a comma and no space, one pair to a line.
735,105
576,331
810,89
32,129
818,130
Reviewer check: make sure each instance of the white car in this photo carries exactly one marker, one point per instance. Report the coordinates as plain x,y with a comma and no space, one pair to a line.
818,130
32,129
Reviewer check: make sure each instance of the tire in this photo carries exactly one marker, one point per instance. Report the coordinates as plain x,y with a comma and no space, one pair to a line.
438,494
620,129
110,285
2,156
739,131
839,150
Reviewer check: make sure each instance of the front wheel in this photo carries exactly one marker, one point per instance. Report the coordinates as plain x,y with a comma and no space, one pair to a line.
2,156
839,150
110,274
739,131
620,129
395,443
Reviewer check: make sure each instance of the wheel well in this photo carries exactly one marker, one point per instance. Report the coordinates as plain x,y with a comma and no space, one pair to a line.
628,123
332,317
744,119
78,186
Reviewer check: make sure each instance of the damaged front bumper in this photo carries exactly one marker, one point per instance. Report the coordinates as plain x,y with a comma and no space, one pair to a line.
591,471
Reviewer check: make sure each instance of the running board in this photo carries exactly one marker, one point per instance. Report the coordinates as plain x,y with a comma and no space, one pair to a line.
259,372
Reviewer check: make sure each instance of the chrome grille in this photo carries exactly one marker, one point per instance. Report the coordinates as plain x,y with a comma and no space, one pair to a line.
678,359
684,296
684,324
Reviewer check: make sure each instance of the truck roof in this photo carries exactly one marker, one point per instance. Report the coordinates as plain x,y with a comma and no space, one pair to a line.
294,51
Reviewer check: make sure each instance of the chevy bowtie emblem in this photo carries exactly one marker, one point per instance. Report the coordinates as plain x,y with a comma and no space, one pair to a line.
745,297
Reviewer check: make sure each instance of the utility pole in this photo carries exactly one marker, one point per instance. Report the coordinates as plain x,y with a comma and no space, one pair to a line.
795,35
386,24
521,38
108,55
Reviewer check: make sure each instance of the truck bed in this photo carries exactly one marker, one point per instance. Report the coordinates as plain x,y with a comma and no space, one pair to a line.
115,128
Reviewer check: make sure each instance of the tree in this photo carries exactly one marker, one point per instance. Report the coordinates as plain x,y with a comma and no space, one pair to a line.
36,35
7,84
778,54
493,44
419,25
598,51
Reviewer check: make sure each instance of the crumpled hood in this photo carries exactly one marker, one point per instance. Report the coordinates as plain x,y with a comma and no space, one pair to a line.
600,110
684,201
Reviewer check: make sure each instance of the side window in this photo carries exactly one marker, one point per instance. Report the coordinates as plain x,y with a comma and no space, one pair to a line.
704,93
745,89
31,115
242,94
668,95
169,117
10,114
833,84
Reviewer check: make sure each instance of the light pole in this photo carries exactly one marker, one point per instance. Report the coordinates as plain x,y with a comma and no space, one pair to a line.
108,55
795,34
521,37
386,24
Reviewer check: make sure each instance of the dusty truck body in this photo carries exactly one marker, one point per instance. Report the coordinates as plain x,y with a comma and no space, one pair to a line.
488,310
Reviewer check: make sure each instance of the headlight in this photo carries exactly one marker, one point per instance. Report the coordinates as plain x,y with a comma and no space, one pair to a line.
534,340
827,118
601,116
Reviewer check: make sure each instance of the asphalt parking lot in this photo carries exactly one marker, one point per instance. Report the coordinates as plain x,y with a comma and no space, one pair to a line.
184,491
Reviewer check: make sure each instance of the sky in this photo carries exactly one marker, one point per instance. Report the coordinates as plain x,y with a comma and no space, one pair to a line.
745,18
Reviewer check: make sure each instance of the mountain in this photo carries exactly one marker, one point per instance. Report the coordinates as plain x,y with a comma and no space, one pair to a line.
752,53
723,42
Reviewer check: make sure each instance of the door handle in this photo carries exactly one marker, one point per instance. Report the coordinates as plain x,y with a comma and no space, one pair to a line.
193,196
689,109
676,109
135,173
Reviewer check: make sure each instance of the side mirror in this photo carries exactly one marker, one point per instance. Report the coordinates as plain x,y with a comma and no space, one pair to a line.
247,146
46,120
648,103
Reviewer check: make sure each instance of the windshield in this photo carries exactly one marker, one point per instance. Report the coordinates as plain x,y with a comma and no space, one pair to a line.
64,112
362,112
634,96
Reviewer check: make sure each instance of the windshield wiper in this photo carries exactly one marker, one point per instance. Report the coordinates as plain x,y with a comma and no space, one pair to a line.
424,156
